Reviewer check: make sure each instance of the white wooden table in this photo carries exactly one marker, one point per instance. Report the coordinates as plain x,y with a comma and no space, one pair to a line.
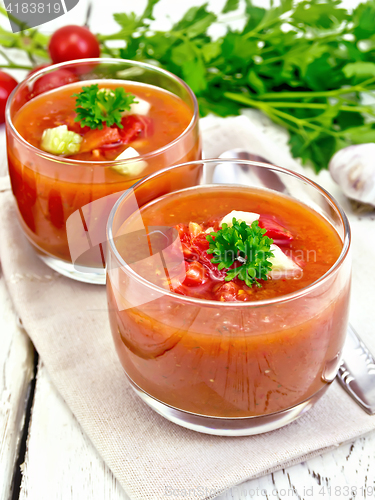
44,454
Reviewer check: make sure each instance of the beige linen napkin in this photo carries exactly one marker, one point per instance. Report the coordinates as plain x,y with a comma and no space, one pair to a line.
151,457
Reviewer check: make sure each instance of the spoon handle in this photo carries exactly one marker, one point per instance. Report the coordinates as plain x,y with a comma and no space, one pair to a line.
357,372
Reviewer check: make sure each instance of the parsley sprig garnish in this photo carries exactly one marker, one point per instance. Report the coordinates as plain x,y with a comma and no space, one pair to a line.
96,107
245,245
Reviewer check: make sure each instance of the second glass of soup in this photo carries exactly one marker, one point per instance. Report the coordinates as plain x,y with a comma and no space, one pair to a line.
207,347
64,200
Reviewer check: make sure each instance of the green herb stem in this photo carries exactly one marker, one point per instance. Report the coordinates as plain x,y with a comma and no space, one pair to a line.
16,66
316,105
325,93
12,18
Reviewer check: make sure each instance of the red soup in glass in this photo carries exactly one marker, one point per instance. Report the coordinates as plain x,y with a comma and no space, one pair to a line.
81,186
222,356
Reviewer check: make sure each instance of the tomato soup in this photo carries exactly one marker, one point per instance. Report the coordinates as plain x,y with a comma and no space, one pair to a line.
205,346
50,188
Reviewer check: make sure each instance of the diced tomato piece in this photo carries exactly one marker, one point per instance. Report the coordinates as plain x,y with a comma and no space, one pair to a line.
96,138
276,231
200,242
135,126
185,239
188,252
227,292
74,126
195,274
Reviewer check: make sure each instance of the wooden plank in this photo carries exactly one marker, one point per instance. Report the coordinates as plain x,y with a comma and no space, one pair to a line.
340,473
60,462
16,372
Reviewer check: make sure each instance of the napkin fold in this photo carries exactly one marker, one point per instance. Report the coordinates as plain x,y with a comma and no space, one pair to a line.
151,457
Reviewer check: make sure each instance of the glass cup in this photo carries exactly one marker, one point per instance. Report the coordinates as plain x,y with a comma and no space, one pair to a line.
224,368
63,203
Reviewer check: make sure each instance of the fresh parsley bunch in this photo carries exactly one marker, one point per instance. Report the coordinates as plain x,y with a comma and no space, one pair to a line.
308,65
245,245
95,106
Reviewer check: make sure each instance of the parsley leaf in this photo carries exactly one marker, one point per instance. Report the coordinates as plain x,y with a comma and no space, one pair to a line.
246,248
96,106
195,22
230,6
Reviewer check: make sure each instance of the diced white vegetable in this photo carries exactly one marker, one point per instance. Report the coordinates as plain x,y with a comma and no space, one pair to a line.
128,153
60,141
141,107
248,217
130,167
209,230
282,264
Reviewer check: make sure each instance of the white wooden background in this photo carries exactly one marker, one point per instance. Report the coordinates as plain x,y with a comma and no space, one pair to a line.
44,454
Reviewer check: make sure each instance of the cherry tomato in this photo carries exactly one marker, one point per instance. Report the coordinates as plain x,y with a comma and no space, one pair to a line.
7,84
73,42
53,80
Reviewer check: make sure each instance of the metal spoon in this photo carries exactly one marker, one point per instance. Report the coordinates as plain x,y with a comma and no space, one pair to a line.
241,174
356,373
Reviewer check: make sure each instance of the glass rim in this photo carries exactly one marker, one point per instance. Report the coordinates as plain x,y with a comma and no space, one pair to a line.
259,303
96,163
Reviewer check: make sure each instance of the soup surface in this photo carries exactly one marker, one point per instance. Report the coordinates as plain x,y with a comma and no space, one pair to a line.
307,239
166,118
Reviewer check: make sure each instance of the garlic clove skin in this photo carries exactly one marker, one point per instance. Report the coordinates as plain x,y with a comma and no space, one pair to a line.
353,169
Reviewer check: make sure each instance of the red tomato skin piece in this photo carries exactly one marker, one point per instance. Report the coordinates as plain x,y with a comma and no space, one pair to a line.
279,234
195,274
97,138
134,126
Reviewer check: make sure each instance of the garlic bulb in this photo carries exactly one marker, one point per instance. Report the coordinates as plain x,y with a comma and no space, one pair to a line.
353,168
